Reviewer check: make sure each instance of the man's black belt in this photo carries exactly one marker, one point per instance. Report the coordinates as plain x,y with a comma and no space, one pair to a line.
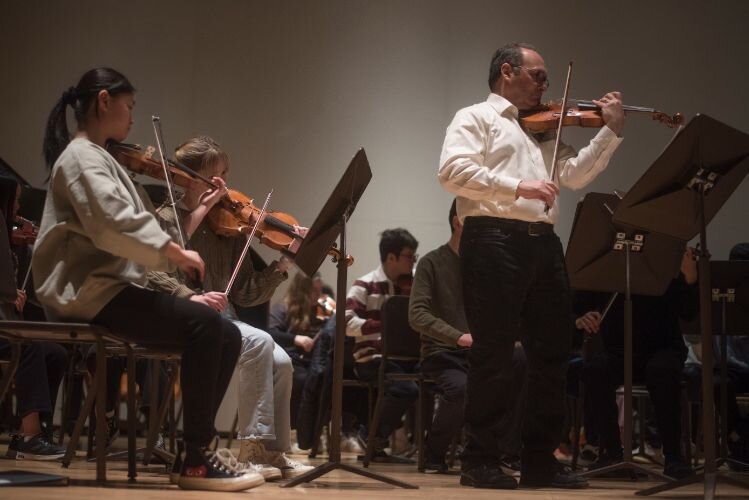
520,226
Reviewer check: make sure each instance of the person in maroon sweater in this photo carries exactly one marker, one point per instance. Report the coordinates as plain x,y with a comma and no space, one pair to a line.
363,303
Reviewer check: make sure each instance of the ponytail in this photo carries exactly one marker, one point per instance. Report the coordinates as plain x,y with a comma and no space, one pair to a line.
57,136
80,98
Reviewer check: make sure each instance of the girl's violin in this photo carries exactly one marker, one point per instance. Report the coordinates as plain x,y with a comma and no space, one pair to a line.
325,307
586,114
24,232
235,214
140,160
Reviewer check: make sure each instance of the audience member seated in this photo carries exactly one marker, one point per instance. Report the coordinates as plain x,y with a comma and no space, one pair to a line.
41,366
363,304
659,355
295,325
436,311
737,362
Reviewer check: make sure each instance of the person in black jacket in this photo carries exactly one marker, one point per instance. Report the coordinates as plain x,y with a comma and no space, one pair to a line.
42,364
658,360
295,325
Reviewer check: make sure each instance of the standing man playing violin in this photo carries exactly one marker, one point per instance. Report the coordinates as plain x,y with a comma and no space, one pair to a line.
514,278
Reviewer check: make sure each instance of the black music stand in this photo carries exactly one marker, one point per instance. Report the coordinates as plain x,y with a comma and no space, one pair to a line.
678,196
729,284
649,262
317,244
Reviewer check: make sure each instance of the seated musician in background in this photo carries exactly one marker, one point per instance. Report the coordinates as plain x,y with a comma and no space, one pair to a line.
436,311
295,325
363,304
265,370
737,382
658,360
40,369
737,353
304,324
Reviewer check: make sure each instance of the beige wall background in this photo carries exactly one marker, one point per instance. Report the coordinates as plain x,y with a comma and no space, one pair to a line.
292,88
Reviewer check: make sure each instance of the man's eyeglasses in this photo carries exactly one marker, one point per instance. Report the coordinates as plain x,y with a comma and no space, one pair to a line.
413,256
539,76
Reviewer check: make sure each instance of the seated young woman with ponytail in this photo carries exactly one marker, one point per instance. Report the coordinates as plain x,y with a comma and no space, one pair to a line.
95,244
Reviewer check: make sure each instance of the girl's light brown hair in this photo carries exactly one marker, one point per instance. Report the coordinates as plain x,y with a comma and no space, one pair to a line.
200,153
299,303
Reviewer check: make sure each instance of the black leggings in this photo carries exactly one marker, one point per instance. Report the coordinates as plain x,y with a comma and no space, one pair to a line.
209,345
40,370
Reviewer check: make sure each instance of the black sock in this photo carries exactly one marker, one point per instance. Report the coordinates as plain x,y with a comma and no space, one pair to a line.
194,455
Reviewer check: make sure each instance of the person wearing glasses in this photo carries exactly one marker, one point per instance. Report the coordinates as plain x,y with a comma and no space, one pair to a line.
363,304
514,279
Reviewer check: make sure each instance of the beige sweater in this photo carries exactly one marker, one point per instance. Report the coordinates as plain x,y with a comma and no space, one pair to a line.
96,236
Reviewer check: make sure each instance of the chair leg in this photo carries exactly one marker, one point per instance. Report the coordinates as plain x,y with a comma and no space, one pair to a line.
419,425
173,424
370,404
15,358
131,470
686,429
67,393
233,431
374,425
160,416
699,439
91,427
153,414
578,423
642,425
101,409
78,428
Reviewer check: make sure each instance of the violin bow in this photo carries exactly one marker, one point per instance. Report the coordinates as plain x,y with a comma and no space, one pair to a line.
608,305
559,131
247,245
26,278
167,176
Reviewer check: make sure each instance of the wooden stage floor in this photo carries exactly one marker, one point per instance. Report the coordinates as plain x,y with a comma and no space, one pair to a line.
153,483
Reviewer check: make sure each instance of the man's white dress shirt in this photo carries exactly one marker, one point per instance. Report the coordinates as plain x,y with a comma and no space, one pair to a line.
486,154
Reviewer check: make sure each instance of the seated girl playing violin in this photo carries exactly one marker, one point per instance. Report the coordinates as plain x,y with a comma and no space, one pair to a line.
96,241
265,370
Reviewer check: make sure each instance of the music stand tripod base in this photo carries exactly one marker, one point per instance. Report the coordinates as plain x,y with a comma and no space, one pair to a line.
317,244
649,261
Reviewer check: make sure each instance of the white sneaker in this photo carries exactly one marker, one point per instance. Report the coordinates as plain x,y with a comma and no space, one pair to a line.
253,455
268,472
289,468
322,447
350,444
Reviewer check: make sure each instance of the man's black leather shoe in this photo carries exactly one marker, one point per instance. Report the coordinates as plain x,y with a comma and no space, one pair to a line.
677,468
487,476
559,476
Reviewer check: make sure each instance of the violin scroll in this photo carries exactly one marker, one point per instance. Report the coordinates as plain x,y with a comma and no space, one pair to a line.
671,121
24,232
